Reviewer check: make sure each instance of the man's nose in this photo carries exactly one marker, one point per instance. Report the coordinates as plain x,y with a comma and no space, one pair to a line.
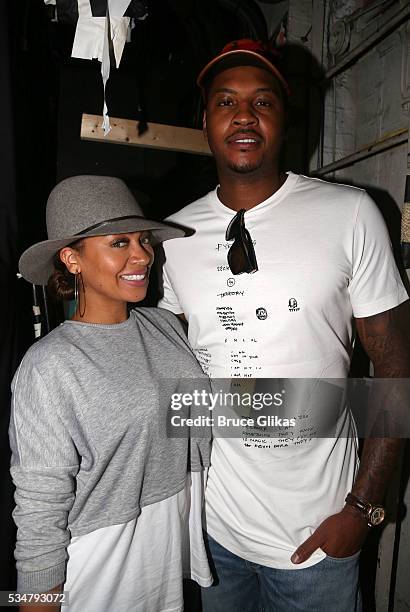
245,115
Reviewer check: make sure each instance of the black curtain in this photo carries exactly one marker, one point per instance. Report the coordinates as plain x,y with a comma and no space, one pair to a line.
8,255
27,173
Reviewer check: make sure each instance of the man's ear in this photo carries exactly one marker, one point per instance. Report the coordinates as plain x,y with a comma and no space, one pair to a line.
70,258
204,124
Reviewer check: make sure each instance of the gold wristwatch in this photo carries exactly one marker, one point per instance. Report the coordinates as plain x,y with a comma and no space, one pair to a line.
373,513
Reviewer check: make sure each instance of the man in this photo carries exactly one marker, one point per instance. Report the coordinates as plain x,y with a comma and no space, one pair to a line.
310,262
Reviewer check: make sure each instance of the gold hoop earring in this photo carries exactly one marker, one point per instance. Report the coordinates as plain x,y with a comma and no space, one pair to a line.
76,290
79,299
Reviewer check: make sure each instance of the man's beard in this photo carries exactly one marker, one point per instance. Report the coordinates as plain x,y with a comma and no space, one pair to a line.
245,167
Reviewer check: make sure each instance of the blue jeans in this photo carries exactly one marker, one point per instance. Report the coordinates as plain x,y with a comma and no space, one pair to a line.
243,586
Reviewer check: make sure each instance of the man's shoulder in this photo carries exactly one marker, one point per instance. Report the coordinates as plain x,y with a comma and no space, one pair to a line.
192,210
325,188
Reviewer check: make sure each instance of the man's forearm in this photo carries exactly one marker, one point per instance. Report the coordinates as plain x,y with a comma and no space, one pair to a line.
379,459
386,339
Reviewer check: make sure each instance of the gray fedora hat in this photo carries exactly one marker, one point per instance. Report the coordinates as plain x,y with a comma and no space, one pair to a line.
83,206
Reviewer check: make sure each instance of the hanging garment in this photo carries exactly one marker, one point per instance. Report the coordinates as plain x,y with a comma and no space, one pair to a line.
101,24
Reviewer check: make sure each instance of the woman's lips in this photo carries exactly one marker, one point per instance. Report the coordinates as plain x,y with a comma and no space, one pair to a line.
135,279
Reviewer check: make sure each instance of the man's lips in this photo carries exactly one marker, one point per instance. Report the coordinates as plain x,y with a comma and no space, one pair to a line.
244,139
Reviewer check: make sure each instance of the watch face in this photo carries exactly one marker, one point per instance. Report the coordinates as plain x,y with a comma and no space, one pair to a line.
377,515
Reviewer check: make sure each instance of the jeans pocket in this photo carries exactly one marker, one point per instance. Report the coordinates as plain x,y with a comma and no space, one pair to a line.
344,559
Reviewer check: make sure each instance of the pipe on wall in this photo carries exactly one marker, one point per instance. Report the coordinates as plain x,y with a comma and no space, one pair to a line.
388,141
369,43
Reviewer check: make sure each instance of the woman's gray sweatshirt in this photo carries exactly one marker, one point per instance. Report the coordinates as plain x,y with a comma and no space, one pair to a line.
88,433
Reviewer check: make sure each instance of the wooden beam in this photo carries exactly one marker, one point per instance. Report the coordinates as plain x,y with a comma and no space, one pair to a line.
158,136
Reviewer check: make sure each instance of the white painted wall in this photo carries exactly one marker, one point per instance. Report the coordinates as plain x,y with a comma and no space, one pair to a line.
371,103
367,102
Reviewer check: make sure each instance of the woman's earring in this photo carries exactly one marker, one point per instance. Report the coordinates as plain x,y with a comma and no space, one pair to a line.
76,290
81,313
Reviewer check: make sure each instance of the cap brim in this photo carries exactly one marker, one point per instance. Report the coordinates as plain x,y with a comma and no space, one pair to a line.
36,263
265,63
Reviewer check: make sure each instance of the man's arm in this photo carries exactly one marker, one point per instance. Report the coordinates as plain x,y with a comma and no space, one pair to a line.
386,340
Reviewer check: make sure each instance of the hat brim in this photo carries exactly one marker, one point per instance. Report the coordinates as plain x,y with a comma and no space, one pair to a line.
265,63
36,263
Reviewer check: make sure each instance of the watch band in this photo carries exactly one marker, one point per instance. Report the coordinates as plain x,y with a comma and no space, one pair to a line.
373,513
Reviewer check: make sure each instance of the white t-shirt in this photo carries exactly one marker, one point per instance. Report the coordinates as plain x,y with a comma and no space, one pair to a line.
324,257
139,565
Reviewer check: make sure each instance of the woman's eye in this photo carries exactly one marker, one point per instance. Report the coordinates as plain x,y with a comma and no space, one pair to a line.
263,103
146,240
119,243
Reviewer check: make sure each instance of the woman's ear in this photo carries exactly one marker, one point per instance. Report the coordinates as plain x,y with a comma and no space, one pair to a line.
70,258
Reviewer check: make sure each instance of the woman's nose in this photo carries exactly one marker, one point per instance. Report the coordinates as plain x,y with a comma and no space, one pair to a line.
141,254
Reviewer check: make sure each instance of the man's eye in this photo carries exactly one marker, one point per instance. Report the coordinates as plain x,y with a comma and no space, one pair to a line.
263,103
225,102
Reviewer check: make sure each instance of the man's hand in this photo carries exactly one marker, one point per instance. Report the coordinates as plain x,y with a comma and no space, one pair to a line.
340,535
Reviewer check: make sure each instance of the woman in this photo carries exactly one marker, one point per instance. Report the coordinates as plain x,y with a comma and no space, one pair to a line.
102,493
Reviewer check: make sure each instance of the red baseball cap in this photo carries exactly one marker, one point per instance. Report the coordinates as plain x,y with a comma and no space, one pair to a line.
257,54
